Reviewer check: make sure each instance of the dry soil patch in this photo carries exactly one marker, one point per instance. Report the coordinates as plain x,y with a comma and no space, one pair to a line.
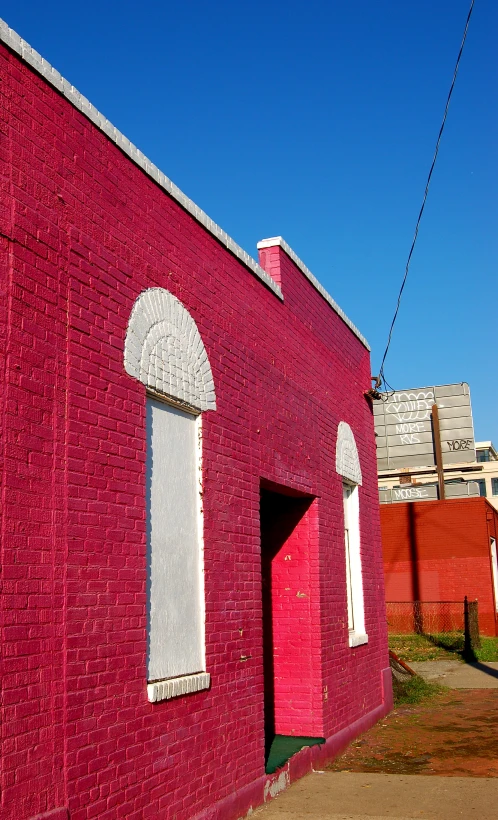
454,734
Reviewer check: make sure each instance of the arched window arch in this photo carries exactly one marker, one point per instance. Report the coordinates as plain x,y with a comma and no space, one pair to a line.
347,462
348,466
165,352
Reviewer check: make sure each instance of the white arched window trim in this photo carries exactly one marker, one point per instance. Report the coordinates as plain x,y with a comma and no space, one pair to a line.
348,467
164,351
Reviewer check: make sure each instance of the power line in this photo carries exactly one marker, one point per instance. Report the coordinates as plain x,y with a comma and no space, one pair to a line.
381,378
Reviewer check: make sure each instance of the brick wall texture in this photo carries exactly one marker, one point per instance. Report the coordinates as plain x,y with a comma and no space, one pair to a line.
440,551
84,232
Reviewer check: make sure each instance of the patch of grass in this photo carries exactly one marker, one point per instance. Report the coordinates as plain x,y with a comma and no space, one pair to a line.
441,646
488,650
449,641
444,646
415,690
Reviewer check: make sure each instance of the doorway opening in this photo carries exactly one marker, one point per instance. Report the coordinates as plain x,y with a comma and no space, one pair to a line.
291,647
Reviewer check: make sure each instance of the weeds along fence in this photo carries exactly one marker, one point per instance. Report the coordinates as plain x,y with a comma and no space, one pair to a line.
429,617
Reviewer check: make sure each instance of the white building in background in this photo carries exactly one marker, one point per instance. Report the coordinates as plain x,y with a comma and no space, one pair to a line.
479,477
487,477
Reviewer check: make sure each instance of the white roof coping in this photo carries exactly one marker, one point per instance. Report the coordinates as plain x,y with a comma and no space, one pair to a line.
486,445
11,39
278,240
36,61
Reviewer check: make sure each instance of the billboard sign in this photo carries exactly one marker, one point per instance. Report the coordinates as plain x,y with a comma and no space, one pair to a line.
403,427
419,492
427,492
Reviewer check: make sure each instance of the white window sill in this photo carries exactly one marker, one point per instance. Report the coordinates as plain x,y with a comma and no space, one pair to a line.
175,687
357,638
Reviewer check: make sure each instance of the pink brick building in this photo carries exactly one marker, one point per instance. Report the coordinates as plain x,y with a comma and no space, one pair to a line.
191,554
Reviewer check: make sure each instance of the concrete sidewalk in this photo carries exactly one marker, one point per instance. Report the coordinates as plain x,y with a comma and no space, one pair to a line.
458,675
351,796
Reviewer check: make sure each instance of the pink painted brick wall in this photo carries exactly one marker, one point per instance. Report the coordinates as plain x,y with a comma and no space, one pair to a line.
85,231
297,664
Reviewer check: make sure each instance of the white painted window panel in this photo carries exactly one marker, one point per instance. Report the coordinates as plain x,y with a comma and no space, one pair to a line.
494,569
354,579
176,595
347,490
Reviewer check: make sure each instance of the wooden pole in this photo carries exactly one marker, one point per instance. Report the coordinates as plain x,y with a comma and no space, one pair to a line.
436,432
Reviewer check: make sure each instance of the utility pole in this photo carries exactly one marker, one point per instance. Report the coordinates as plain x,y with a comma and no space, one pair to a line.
436,433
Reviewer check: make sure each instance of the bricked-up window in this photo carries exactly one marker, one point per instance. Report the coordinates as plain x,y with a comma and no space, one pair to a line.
354,581
164,351
176,594
348,466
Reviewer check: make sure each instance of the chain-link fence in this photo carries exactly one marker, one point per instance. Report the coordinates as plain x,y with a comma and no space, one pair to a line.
425,617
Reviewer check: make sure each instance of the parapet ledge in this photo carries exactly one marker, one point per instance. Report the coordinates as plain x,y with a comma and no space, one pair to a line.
278,241
13,41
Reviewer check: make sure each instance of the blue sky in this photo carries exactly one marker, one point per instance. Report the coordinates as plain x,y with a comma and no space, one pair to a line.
317,121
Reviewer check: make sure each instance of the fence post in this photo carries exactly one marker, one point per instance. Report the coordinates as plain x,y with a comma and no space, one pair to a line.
471,619
418,622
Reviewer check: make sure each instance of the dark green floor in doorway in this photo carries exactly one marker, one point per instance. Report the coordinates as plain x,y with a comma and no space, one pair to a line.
284,746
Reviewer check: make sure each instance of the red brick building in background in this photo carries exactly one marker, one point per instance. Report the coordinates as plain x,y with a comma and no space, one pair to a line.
191,555
436,551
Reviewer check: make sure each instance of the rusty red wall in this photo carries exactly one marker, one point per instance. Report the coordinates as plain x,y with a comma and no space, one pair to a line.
440,551
84,232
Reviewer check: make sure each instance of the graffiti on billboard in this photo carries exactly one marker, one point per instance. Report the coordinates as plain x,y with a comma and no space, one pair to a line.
410,407
413,412
403,426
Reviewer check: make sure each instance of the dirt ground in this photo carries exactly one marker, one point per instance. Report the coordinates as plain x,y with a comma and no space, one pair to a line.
453,734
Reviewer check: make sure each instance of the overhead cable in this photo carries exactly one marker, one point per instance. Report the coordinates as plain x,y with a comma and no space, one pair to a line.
381,378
